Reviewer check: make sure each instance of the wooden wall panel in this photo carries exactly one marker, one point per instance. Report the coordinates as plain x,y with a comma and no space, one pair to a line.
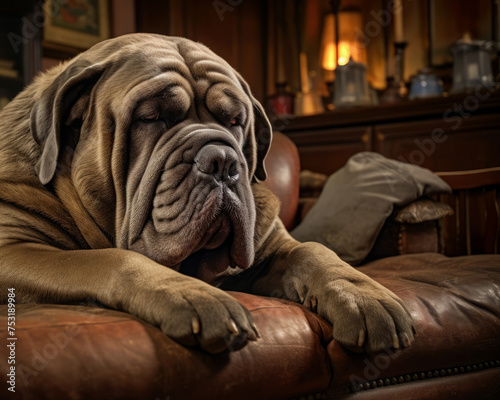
326,151
236,32
474,227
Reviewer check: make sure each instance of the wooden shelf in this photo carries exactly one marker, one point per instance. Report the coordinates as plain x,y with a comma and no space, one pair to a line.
453,133
387,113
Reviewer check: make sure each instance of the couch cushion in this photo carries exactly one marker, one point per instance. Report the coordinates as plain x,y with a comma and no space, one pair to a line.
455,303
357,199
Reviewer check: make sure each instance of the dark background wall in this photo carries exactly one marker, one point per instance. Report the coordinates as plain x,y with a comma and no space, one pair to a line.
235,32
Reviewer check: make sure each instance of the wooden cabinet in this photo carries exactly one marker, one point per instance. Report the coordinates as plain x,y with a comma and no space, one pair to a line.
455,133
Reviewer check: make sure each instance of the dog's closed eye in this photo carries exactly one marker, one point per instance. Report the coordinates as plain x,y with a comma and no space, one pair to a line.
151,117
236,121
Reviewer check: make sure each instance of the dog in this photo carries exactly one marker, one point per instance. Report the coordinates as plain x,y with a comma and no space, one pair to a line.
132,175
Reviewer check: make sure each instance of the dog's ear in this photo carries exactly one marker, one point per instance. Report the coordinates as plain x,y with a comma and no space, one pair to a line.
62,104
260,142
263,136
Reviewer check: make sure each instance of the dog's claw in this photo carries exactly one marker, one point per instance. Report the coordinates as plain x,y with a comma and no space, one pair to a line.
257,333
406,340
415,333
252,336
361,337
395,341
313,303
195,324
233,327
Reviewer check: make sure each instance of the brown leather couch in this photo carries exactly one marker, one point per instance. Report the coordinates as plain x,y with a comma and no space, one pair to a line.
85,352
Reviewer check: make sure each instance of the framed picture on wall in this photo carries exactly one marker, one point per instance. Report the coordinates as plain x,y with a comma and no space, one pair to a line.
76,23
450,20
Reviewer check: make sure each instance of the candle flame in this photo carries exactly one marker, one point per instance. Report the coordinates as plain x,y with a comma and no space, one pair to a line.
346,51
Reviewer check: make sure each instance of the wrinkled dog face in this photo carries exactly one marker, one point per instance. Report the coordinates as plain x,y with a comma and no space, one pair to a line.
190,161
187,165
185,144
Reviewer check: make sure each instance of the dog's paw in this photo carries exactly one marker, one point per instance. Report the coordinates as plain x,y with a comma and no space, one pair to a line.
364,314
195,313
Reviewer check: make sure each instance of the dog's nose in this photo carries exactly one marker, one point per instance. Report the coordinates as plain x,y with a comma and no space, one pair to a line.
220,161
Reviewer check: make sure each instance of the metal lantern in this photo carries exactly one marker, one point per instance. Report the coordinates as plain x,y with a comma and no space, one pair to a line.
471,64
351,86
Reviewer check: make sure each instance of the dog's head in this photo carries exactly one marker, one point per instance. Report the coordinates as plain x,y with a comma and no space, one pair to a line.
161,139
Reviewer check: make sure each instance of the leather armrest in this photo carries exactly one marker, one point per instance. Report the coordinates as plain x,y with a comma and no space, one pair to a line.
411,229
422,210
283,167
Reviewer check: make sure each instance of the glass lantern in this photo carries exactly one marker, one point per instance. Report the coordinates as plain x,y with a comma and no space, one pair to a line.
351,86
471,65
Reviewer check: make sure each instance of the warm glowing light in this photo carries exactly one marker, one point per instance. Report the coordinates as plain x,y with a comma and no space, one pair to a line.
348,47
344,52
329,57
328,45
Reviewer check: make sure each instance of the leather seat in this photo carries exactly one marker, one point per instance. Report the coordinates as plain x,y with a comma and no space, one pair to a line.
88,352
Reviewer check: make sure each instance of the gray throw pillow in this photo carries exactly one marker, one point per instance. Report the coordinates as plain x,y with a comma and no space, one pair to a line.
357,199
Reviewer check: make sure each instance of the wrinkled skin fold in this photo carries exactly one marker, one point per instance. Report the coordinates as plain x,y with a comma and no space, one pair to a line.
132,176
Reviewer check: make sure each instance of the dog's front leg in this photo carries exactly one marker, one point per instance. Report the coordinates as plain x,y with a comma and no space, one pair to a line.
186,309
363,312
